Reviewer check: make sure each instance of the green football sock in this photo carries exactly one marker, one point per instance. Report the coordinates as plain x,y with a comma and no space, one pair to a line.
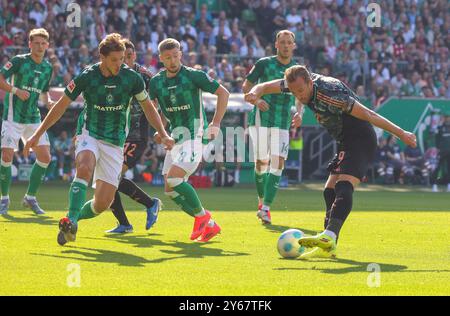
87,211
77,198
188,193
5,177
36,177
181,202
271,188
260,180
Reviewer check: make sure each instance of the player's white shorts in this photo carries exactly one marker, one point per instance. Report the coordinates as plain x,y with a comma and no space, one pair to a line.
109,158
12,132
186,155
269,142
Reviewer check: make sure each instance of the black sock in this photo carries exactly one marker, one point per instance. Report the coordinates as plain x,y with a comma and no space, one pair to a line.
341,207
118,211
329,196
131,189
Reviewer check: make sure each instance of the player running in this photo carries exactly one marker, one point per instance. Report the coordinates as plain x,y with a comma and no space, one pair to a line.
107,88
338,109
29,76
178,90
135,145
269,130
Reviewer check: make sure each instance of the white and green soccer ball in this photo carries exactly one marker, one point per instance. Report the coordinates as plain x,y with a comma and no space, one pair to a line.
288,246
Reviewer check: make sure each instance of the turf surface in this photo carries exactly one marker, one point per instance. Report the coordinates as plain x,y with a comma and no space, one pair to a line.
404,231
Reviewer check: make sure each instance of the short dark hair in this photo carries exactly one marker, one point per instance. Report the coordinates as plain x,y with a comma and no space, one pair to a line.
168,44
111,43
294,72
129,44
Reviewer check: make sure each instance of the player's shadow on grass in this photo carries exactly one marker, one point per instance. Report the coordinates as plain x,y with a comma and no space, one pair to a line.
186,250
98,255
32,219
280,228
181,250
354,266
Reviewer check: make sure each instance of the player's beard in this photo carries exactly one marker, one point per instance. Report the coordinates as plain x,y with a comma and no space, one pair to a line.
285,55
174,70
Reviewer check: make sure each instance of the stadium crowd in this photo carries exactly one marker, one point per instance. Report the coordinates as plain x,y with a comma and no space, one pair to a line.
407,56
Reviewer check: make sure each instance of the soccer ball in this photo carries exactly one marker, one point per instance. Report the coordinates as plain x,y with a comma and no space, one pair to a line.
288,246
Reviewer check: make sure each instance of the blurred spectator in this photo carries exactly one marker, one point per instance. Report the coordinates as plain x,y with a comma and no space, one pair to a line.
413,41
443,145
381,159
396,162
65,153
417,169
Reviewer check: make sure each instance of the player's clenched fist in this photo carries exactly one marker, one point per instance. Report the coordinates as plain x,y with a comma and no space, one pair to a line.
168,142
297,120
22,94
213,131
31,142
409,139
251,97
157,138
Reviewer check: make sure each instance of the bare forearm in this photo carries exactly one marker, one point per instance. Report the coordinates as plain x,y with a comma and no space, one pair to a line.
154,119
5,86
385,124
361,112
53,115
221,108
300,108
270,87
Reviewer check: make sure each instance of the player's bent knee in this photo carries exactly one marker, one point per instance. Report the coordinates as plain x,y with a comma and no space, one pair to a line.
277,162
173,182
101,205
261,166
276,172
84,171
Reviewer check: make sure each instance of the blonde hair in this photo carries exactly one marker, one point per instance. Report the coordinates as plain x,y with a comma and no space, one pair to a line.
38,32
111,43
168,44
285,32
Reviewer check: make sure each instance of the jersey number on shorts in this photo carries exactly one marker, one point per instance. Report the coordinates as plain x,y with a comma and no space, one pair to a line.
340,158
129,153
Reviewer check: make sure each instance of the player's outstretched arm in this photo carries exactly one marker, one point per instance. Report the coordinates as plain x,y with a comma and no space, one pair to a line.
52,117
365,114
255,93
221,107
154,119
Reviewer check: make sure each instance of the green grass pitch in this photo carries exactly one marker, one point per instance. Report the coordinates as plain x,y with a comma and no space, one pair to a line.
404,231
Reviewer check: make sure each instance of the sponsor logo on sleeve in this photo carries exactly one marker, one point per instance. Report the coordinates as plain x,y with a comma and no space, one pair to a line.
71,86
8,65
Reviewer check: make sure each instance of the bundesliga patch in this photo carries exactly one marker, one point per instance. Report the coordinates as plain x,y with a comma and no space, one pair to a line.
8,65
71,86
